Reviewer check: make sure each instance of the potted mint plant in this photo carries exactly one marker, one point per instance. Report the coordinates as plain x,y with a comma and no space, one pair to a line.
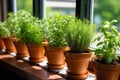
21,47
11,24
4,32
56,41
106,63
31,34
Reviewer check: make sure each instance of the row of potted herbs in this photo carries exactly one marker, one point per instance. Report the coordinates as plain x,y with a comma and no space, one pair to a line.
70,38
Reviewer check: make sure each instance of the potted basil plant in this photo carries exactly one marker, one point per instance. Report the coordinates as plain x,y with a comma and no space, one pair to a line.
106,62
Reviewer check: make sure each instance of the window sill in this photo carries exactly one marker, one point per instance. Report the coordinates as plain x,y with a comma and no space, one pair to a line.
33,72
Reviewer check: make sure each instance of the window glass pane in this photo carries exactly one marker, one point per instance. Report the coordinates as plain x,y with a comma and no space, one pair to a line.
106,10
24,5
55,7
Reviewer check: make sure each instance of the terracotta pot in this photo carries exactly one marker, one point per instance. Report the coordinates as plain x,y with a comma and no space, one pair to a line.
45,43
36,53
119,77
55,57
90,67
10,47
77,64
106,71
2,44
22,50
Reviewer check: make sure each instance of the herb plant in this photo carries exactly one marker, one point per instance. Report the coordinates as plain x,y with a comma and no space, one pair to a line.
23,18
109,45
14,22
4,32
79,35
30,32
55,33
12,25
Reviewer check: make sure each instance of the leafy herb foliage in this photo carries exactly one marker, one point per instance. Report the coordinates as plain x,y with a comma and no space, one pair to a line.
55,33
4,32
79,35
108,47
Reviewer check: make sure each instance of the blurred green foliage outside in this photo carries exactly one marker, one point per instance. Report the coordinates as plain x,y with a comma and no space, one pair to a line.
105,9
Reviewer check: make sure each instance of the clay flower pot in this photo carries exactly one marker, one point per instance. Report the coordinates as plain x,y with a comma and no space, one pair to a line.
106,71
10,47
77,64
36,53
56,58
119,77
91,67
2,44
22,50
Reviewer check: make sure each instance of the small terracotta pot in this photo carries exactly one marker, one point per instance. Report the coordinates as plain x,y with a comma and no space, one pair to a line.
119,77
36,53
77,64
2,44
10,47
45,43
22,50
56,58
106,71
90,67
